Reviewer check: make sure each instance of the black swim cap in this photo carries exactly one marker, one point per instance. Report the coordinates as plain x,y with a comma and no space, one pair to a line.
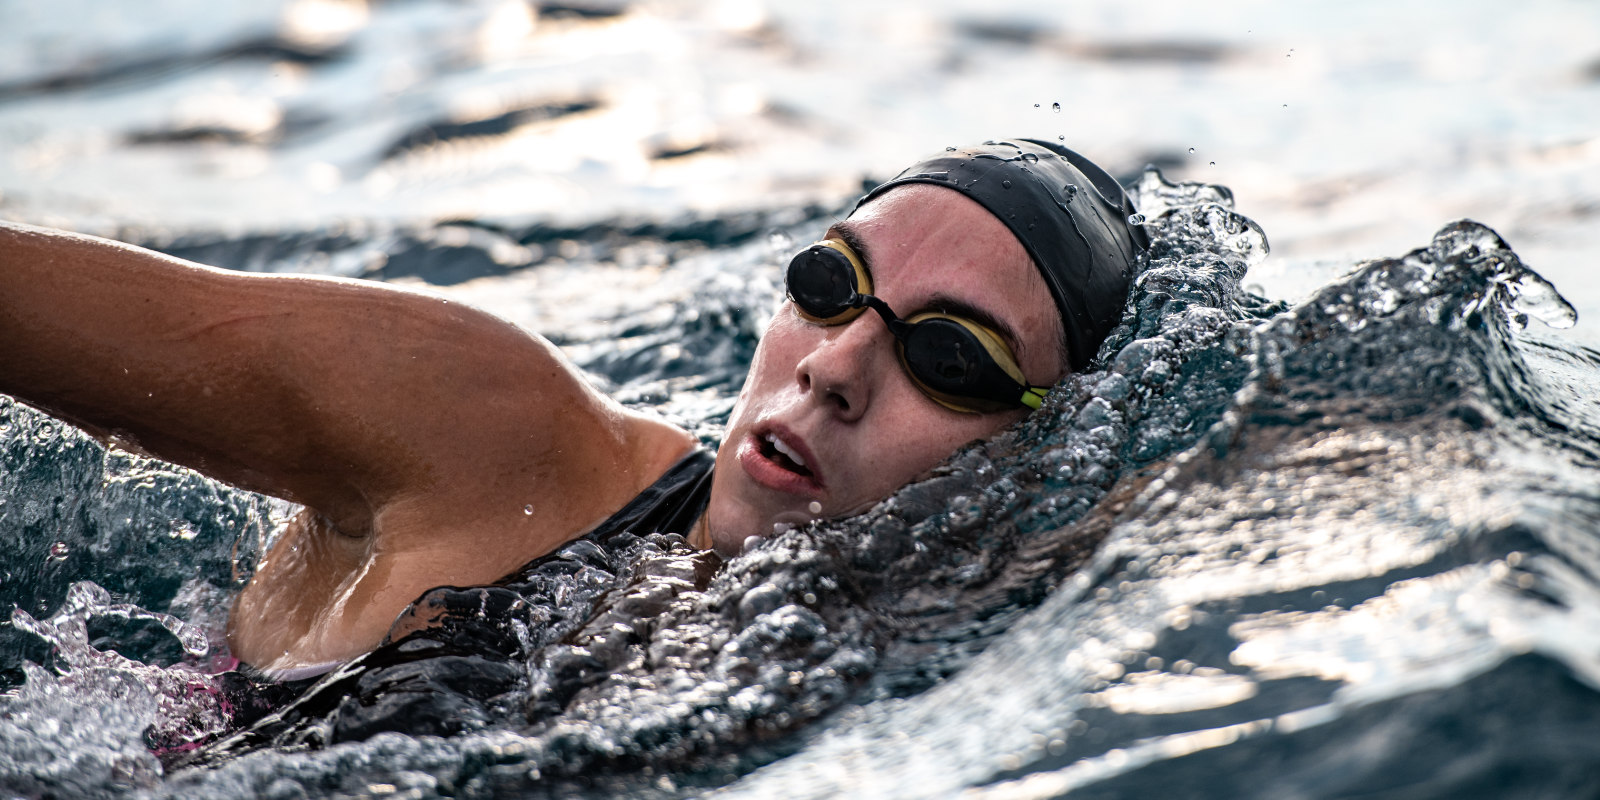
1070,216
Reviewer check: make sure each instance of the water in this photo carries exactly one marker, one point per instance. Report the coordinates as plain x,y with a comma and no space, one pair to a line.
1332,548
1344,546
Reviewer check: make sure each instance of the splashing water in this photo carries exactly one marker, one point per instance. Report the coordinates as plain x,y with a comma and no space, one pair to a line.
173,709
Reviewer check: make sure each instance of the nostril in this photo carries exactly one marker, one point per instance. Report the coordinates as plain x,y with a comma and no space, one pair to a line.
840,401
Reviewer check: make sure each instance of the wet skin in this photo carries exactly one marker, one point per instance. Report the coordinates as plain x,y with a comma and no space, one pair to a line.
838,396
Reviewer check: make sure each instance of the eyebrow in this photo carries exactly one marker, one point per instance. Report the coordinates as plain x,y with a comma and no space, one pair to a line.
850,234
847,232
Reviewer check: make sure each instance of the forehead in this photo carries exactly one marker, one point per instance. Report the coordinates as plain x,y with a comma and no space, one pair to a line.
922,242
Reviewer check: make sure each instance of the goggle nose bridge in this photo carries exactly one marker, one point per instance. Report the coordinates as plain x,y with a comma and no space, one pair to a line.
897,326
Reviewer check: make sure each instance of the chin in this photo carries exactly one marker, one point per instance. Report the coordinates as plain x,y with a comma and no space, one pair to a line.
726,543
728,524
732,528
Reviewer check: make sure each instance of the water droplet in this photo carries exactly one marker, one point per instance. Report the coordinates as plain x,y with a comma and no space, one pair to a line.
59,551
1213,163
1056,107
1005,184
1071,189
1135,219
1029,157
1191,151
1062,137
949,149
815,507
1035,105
528,509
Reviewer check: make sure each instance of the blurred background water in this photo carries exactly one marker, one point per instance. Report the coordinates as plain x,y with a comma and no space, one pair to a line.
1349,130
1347,551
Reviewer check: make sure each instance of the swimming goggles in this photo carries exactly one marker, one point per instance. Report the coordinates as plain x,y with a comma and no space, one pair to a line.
961,364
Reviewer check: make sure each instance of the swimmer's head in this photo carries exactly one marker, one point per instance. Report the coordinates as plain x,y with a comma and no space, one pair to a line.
836,414
1069,214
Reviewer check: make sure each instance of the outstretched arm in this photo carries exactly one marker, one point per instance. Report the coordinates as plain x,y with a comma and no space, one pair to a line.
345,396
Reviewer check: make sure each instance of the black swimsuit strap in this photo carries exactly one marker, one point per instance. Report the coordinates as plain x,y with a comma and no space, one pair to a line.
670,505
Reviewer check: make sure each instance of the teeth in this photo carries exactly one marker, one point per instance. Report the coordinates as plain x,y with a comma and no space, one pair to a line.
784,449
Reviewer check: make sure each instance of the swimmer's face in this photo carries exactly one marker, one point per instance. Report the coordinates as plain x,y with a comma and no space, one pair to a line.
837,398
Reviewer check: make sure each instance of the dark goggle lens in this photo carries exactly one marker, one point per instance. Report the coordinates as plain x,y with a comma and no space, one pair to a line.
822,282
945,357
964,366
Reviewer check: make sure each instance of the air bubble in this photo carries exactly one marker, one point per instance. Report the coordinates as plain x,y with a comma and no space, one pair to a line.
1191,151
1030,158
1135,219
949,149
528,509
1005,184
1213,163
1056,107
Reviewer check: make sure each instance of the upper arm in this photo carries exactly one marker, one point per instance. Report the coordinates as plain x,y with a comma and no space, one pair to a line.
341,395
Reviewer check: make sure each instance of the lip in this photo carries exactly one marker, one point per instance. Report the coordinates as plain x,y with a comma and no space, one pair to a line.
769,473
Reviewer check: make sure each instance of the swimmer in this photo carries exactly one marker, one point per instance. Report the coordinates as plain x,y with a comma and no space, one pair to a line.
433,444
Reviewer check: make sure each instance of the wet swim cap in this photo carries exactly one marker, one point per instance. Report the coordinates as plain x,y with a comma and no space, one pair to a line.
1070,216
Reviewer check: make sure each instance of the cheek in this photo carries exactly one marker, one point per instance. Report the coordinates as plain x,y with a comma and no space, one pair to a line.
773,365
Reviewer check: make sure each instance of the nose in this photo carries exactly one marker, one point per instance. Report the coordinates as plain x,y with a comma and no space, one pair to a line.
844,371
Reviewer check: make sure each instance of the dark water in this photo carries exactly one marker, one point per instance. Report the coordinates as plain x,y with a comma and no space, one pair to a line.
1341,549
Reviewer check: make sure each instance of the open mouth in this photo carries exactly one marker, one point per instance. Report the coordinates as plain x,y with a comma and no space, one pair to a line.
779,453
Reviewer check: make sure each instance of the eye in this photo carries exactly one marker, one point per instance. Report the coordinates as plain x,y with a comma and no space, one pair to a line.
826,282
